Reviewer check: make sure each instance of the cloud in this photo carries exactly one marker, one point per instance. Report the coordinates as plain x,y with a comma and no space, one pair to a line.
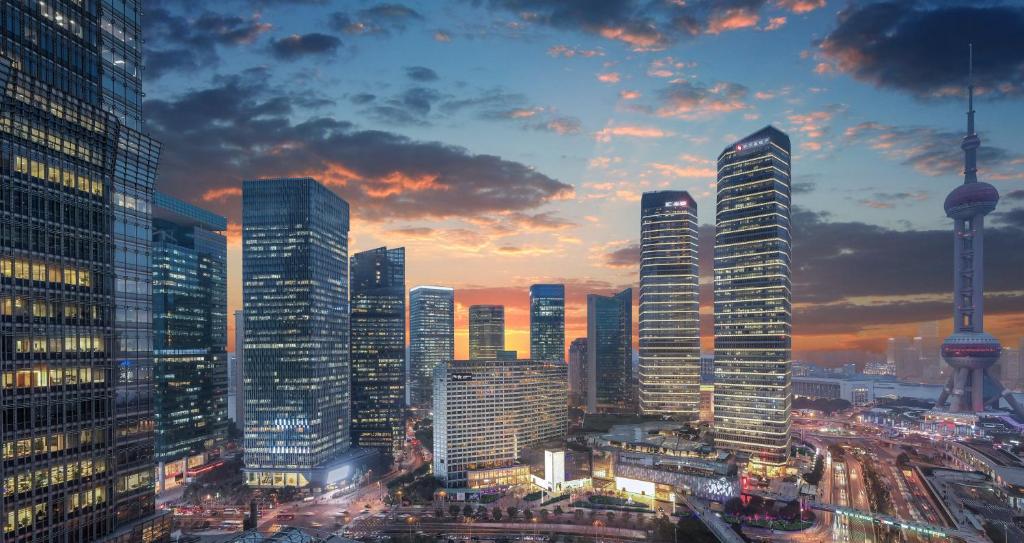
623,257
775,23
609,77
1013,218
220,194
565,51
688,171
732,19
800,6
631,131
442,36
919,46
380,19
1017,195
629,94
933,152
177,43
889,200
688,100
300,45
410,107
536,118
421,74
243,128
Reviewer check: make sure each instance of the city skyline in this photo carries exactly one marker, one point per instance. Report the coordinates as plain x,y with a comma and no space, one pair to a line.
876,153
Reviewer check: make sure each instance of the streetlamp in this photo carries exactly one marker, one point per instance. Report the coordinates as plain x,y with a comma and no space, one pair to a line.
410,521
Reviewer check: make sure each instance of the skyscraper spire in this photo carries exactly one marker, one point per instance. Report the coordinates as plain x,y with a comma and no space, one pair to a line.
971,141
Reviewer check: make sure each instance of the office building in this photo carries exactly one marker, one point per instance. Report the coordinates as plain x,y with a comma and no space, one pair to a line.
547,322
237,375
610,353
486,331
378,348
578,372
190,298
970,351
752,290
487,411
295,294
75,267
431,339
707,369
669,369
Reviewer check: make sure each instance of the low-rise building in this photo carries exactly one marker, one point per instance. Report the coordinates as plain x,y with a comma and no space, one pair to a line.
1005,469
487,411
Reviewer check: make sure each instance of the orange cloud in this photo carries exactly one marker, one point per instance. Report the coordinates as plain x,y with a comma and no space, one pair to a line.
629,95
775,23
398,182
609,77
442,36
649,41
221,194
800,6
823,68
234,233
631,131
671,170
569,52
732,19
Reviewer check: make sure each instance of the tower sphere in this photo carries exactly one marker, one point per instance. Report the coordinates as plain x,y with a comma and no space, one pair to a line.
971,200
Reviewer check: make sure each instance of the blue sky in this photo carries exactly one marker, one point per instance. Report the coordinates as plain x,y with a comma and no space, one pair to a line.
507,142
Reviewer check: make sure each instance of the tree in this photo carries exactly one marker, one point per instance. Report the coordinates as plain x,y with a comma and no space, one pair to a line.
453,510
512,512
528,515
544,515
558,510
439,513
467,510
496,514
481,510
611,516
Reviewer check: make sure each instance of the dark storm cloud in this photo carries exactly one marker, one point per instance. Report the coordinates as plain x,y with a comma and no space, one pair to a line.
174,42
642,24
624,257
381,19
1013,218
920,47
241,128
1016,195
421,74
300,45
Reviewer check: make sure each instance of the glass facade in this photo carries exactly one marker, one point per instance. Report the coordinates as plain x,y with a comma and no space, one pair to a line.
295,296
486,331
610,353
753,377
189,334
578,372
76,188
378,348
669,380
547,322
431,339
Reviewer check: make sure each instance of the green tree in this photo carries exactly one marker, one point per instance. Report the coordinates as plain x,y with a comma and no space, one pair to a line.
544,514
453,510
527,514
512,512
496,514
559,510
467,510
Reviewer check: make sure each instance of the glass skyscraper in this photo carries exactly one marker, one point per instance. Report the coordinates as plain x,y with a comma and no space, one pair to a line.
547,322
486,331
753,378
578,372
76,190
669,381
190,300
295,292
378,348
610,353
431,339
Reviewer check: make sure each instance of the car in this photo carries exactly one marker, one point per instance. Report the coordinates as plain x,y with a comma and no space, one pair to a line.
316,525
286,516
308,514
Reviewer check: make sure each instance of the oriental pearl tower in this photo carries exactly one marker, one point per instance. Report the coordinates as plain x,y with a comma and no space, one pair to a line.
969,350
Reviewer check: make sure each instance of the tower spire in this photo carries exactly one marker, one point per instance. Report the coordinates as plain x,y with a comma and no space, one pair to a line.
971,141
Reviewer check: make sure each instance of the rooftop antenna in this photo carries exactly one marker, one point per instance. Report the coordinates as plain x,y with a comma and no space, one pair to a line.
971,141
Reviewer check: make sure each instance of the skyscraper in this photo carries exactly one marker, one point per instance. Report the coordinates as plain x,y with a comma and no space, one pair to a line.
295,292
237,376
610,353
486,331
431,339
190,300
970,350
78,184
578,371
378,348
547,322
669,381
753,378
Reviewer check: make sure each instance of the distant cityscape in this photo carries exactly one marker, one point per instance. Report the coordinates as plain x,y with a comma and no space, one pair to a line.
342,412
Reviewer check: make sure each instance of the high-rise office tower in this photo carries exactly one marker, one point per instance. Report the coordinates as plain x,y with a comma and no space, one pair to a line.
378,348
237,376
669,380
431,339
578,371
547,322
190,299
74,261
295,292
753,380
610,353
486,331
970,351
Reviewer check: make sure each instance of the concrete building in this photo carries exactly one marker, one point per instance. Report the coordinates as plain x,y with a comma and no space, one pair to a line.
753,309
295,292
863,390
431,339
190,300
487,411
486,331
669,363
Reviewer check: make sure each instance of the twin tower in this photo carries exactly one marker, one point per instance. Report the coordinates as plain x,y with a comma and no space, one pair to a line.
752,301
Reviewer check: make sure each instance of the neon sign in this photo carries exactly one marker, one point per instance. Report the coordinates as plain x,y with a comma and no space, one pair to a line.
681,203
748,145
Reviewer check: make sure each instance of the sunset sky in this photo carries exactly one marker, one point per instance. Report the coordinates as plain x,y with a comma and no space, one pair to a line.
507,142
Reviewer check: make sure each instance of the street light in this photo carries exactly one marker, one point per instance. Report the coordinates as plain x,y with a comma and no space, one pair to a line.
410,521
